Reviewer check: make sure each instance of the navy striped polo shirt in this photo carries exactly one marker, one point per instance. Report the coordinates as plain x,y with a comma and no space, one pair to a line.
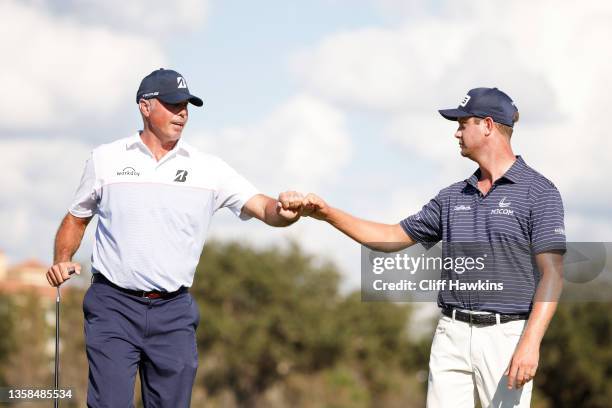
520,216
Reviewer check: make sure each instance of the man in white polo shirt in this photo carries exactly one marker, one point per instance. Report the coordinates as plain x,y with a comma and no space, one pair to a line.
154,195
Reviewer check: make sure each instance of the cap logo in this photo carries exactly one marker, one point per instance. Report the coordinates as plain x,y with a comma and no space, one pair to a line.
465,101
150,94
181,82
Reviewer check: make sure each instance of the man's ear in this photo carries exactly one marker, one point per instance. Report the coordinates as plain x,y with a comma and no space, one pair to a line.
145,107
489,125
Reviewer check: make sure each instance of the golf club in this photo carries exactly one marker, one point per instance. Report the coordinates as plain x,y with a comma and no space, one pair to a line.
57,334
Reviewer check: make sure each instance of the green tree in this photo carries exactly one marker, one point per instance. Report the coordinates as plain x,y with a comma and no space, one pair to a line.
375,336
73,361
29,363
274,323
576,357
265,314
7,340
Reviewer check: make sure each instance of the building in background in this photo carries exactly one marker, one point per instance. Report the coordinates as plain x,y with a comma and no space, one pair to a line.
24,276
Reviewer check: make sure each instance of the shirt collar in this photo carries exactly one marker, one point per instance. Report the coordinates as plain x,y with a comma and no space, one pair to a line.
514,174
133,141
181,145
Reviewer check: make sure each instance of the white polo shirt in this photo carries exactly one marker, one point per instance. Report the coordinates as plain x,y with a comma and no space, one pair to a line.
153,216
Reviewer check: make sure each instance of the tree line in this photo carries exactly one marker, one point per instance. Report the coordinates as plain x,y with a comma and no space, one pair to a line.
276,331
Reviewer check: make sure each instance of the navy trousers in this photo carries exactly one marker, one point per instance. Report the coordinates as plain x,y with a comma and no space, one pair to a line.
124,333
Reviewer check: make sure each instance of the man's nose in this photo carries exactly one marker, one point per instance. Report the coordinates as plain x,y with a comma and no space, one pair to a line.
458,134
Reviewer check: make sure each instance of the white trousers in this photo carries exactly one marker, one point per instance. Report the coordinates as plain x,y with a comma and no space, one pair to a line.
468,361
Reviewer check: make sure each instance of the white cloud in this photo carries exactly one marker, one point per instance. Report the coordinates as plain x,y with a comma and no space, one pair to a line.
38,179
381,69
422,65
429,136
551,57
433,60
76,60
153,17
404,8
588,227
70,69
62,71
301,145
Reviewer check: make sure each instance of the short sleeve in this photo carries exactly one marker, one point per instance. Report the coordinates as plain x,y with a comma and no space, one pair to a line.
85,201
547,223
425,227
234,191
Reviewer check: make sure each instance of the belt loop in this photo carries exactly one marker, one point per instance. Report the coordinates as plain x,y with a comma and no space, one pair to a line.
497,319
454,312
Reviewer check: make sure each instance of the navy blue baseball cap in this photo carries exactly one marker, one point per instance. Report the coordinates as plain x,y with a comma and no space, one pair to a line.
166,85
483,102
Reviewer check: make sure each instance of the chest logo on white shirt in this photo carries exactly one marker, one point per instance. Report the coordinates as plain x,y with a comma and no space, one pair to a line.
128,171
181,176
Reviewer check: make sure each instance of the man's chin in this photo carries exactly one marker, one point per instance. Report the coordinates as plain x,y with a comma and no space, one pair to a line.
467,154
175,135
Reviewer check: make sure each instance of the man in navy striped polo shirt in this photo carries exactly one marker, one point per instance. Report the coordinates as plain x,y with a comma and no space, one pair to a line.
486,342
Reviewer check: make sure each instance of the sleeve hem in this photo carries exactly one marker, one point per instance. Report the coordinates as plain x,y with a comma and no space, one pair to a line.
243,200
415,237
80,214
550,247
408,230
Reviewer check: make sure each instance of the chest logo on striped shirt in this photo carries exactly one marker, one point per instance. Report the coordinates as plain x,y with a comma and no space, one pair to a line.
503,208
503,203
462,208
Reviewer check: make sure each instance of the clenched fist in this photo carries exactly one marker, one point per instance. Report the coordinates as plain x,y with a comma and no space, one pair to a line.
61,271
289,205
315,207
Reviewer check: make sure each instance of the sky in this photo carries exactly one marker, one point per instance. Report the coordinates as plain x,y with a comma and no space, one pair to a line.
336,97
